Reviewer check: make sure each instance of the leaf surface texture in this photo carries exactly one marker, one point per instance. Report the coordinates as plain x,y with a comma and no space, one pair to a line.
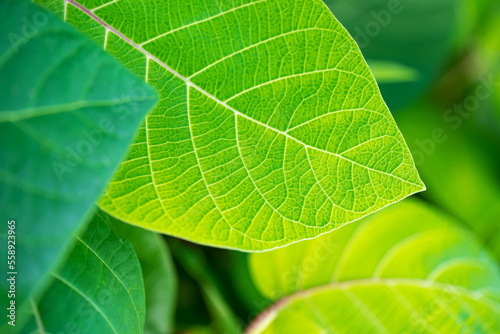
99,289
158,271
270,127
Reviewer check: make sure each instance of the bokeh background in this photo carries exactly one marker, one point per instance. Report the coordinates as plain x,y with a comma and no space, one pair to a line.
437,63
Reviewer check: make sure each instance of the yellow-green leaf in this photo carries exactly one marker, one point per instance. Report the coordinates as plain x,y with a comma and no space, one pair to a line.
408,268
270,127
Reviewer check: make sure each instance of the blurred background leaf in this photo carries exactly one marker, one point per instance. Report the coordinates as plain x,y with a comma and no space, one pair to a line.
421,35
407,240
459,174
363,277
159,275
194,263
391,72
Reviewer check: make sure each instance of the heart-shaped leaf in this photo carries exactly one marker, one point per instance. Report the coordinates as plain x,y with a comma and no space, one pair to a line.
270,127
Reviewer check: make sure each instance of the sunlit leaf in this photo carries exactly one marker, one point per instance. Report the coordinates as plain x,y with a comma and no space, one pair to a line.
270,129
401,267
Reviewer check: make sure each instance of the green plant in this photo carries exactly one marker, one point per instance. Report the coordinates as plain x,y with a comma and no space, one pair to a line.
248,125
71,111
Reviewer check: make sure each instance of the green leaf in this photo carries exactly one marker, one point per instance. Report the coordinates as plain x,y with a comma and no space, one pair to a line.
383,271
68,112
159,275
382,306
98,290
271,128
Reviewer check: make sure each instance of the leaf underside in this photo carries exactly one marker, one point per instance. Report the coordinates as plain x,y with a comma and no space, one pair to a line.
270,127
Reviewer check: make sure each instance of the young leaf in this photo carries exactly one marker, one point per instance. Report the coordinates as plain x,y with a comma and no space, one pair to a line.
408,266
68,112
98,290
158,271
270,129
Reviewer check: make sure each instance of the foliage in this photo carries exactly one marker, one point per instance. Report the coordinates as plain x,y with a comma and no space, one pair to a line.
99,287
251,125
238,159
160,280
427,268
71,111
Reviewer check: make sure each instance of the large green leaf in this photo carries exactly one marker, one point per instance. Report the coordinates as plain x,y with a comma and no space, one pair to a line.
270,129
68,112
381,307
159,275
383,271
98,290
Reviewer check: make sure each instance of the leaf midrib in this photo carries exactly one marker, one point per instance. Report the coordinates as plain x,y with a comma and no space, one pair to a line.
224,104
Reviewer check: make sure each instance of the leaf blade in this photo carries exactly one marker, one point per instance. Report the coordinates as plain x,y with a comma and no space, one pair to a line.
379,275
198,143
110,295
414,305
159,275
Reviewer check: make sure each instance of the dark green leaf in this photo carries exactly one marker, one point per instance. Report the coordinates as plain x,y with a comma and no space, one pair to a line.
158,270
68,112
99,289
